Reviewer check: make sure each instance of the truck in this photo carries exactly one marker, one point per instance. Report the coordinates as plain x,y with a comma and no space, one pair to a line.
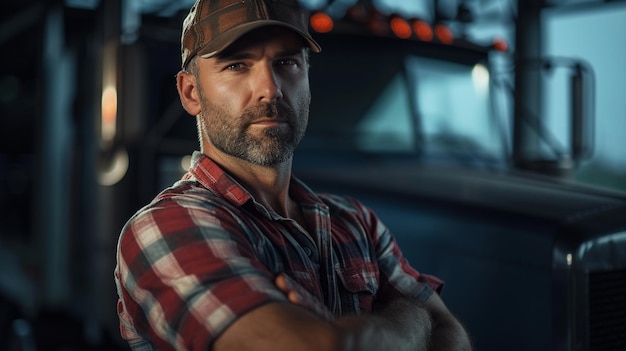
532,260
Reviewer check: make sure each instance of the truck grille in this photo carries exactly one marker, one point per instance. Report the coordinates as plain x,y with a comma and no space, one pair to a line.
607,311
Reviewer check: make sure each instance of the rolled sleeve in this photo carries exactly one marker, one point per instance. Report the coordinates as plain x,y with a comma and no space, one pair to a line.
184,277
396,274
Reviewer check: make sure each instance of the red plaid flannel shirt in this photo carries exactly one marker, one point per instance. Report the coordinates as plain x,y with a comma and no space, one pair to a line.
203,253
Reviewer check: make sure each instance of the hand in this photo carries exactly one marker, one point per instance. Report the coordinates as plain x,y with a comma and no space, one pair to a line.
298,295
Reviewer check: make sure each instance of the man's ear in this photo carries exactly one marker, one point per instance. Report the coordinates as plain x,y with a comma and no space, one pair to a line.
189,92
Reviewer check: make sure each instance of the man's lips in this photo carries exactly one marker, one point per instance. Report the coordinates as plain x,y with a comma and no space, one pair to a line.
268,122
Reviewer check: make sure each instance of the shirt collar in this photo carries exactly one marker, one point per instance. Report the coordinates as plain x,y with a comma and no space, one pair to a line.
212,176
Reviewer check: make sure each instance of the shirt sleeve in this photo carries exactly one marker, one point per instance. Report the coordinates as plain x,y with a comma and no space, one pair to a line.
185,274
397,276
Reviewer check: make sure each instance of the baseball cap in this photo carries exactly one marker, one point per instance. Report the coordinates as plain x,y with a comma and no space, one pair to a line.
213,25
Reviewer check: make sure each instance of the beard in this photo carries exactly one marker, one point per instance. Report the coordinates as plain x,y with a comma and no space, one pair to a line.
267,146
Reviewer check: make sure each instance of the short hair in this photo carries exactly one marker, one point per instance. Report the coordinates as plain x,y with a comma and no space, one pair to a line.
192,66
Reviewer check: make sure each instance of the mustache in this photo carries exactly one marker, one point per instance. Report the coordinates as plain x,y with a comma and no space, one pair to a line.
268,110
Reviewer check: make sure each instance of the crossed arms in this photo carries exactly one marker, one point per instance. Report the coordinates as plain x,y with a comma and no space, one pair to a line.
200,284
305,324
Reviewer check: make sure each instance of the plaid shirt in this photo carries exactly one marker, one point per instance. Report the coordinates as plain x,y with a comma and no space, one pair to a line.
204,252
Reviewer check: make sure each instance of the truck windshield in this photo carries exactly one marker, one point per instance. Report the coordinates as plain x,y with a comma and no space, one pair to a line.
402,103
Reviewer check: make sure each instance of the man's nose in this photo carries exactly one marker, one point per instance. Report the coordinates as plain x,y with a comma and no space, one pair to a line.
267,83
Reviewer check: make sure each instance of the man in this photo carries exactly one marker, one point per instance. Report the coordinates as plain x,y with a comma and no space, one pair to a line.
239,254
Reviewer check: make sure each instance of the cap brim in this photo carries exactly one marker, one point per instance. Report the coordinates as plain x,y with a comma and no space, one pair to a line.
224,40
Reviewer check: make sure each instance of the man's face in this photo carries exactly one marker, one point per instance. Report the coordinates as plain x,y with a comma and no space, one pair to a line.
255,97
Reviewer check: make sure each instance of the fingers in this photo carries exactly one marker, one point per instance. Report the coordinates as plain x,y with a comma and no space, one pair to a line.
281,283
290,289
296,294
294,297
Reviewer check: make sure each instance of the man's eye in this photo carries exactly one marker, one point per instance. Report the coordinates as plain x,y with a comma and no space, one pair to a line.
287,62
234,66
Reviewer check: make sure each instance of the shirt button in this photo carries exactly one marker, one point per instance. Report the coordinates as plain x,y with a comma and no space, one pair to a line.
307,251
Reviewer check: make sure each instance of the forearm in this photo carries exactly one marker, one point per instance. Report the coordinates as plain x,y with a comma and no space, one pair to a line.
404,324
401,324
449,335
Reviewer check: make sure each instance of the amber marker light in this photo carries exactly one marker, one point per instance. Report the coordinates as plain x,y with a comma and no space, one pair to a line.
500,44
321,22
400,27
444,34
422,30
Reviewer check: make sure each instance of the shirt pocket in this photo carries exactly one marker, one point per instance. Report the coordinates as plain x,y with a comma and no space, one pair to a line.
360,285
